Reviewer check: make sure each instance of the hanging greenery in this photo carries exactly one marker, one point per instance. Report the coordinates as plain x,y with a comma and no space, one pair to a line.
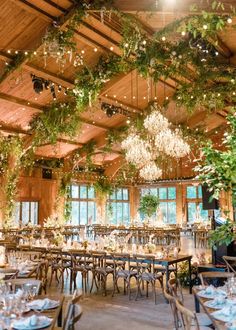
148,205
217,168
59,119
103,187
222,235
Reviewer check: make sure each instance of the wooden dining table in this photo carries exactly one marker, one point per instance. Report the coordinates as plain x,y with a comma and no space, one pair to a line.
55,314
199,302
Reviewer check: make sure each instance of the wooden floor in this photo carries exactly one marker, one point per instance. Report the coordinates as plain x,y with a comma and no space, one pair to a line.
116,313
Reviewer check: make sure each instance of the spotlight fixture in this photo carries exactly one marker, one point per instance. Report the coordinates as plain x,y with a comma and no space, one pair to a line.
52,89
37,84
112,110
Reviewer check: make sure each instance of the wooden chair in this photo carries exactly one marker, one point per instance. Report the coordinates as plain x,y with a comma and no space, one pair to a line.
230,263
189,318
20,283
176,291
171,300
146,273
73,312
122,270
100,270
8,273
214,278
79,264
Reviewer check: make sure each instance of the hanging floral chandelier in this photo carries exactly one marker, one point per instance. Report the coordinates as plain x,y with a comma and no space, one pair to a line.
143,149
150,172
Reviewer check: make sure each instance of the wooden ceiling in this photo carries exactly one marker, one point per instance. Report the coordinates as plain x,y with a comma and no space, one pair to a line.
23,24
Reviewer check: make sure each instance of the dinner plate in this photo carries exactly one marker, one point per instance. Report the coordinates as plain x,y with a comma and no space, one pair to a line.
53,304
212,304
212,295
42,322
221,317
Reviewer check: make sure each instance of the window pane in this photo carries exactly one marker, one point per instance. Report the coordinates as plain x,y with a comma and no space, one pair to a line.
119,213
91,213
119,194
91,192
16,214
203,213
171,193
126,216
25,212
74,213
171,212
83,192
83,213
192,208
74,191
163,211
125,194
113,195
163,193
199,191
112,213
34,213
191,192
145,191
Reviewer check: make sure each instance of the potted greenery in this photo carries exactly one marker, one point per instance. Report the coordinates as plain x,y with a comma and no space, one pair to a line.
148,205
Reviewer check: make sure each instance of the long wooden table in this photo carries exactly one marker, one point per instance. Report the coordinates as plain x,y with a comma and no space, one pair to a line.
55,314
199,301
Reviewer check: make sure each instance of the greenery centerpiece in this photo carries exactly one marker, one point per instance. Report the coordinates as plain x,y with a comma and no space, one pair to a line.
148,205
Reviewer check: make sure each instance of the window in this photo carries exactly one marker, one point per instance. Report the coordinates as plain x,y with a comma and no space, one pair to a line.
26,212
167,206
194,205
118,207
83,204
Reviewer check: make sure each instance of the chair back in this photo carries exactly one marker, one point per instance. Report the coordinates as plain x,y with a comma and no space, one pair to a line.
73,312
144,263
121,261
230,263
171,301
175,289
189,318
98,259
214,278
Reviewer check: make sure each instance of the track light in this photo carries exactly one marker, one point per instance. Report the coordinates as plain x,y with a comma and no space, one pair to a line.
37,84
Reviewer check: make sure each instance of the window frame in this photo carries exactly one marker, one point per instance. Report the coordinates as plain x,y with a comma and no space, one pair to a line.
116,201
20,220
80,199
196,200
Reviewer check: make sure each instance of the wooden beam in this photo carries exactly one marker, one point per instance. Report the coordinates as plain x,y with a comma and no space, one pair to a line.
114,166
32,9
56,6
41,108
63,21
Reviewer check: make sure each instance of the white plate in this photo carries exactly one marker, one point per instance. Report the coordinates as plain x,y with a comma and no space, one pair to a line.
221,317
211,295
53,304
42,322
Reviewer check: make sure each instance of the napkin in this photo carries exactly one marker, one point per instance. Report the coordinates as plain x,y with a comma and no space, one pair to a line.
209,290
42,303
32,321
228,311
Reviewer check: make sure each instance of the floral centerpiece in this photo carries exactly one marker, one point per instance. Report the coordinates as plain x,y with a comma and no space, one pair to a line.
58,238
151,247
52,222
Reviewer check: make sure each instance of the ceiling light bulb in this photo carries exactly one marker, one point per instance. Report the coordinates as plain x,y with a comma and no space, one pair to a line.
183,33
229,20
111,48
163,38
205,27
95,49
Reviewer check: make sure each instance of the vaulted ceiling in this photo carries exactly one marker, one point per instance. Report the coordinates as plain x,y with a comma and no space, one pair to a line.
23,24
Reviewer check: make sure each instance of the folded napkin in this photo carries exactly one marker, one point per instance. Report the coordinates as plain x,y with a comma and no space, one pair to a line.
210,289
31,322
42,304
228,311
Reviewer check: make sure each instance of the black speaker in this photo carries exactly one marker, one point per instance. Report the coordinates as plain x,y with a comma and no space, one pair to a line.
208,202
46,173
